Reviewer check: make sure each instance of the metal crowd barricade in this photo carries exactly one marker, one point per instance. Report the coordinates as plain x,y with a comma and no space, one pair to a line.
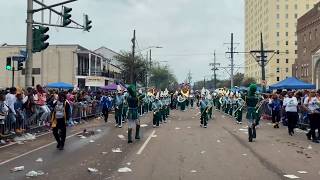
32,122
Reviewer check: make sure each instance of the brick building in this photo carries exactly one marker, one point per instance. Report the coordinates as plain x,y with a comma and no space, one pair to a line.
306,66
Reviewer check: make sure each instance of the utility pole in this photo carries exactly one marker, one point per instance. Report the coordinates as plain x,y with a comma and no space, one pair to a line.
262,61
133,40
29,61
232,60
214,69
189,77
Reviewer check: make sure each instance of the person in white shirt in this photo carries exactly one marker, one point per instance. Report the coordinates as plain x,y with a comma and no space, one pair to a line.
10,100
291,107
312,104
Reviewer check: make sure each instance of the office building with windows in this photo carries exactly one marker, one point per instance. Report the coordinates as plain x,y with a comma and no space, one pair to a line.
277,20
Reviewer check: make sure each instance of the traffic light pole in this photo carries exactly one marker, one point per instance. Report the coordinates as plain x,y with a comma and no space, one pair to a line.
29,61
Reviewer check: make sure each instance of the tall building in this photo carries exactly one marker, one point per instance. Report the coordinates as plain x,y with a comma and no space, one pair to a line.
307,65
70,63
277,20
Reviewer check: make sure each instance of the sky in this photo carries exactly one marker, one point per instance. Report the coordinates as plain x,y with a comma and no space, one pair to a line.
188,30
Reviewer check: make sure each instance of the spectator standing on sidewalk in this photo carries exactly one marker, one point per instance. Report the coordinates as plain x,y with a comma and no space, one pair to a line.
3,112
275,105
106,103
291,107
71,100
20,111
10,100
41,100
312,103
60,116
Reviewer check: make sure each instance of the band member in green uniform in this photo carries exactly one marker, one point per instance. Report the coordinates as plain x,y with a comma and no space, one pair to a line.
156,106
251,101
203,111
133,119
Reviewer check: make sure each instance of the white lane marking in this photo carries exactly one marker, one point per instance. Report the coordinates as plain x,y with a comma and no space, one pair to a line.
145,143
34,150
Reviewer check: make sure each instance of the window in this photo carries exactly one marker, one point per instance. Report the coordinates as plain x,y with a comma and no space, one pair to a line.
278,61
287,25
278,25
278,69
287,16
278,16
287,34
296,51
310,36
287,43
287,51
287,6
278,43
307,6
278,78
296,6
287,61
296,16
278,34
287,70
278,6
295,42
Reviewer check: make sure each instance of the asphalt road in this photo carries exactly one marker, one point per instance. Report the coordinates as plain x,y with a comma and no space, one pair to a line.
179,149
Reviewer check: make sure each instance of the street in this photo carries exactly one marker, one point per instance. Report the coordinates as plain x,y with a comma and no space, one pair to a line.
179,149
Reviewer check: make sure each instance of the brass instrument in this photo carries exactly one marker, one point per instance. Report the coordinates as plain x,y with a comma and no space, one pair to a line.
258,106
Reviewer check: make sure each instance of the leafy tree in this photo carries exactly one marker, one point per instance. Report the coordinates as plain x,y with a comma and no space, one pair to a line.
138,68
247,81
162,77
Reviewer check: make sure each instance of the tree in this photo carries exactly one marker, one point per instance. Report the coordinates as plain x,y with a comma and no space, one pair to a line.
247,81
238,79
138,68
162,78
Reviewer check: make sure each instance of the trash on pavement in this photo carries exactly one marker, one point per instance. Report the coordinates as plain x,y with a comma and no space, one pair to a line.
25,137
104,153
202,152
99,130
39,160
128,163
245,130
177,128
309,147
291,176
124,170
20,142
116,150
18,168
143,125
121,136
302,172
92,170
34,173
189,127
218,141
92,141
154,136
193,171
244,154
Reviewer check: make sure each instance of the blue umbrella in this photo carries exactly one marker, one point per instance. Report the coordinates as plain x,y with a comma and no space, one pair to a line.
60,85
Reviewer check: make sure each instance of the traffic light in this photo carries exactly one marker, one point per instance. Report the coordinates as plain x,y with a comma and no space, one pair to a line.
87,23
66,16
20,65
8,65
39,38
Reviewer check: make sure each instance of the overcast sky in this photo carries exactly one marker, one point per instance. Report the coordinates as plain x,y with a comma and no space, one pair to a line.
189,30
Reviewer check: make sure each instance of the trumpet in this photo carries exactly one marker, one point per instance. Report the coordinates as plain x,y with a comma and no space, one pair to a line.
258,107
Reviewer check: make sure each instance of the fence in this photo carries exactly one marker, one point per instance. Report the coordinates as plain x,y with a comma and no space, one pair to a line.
303,121
30,120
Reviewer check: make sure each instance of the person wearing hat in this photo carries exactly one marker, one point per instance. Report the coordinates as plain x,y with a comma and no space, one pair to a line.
251,102
119,100
133,117
204,113
156,106
238,112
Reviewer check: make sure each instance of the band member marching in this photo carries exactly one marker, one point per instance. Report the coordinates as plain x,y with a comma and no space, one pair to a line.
133,119
251,101
239,110
204,113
